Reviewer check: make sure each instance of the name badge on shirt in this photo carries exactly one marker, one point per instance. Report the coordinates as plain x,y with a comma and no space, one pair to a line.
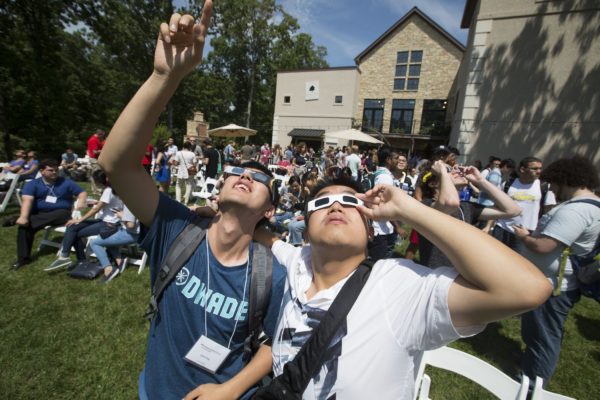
51,199
207,354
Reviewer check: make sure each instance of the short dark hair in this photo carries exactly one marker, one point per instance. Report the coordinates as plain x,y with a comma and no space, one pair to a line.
327,182
49,162
187,145
508,163
527,160
383,154
99,176
493,159
575,172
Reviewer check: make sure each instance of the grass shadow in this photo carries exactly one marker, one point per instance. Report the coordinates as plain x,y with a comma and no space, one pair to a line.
587,327
504,351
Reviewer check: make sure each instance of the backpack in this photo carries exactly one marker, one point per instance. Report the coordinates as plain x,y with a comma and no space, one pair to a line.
182,249
586,268
544,188
86,270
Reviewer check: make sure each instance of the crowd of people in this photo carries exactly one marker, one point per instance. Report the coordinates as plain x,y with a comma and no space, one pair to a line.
484,244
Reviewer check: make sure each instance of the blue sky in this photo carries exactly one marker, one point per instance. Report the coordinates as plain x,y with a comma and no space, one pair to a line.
347,27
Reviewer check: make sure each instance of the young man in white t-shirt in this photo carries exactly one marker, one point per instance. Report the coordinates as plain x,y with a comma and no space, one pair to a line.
404,308
353,161
526,191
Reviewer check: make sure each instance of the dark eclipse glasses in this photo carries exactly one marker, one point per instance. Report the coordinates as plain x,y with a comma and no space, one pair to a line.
257,176
326,201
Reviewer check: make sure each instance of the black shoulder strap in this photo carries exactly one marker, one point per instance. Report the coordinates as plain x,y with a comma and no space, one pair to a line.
509,183
587,201
260,292
181,250
298,372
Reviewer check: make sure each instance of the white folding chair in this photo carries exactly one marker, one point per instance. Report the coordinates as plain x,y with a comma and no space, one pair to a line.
140,262
472,368
539,393
11,193
204,193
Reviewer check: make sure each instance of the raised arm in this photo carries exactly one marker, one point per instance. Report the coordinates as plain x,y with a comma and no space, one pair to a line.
504,206
494,282
448,200
178,51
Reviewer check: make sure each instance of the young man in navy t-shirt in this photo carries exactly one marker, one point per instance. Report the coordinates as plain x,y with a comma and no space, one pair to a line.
47,200
207,303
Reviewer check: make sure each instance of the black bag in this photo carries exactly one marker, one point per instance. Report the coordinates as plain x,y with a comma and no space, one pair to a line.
78,175
297,373
86,270
108,230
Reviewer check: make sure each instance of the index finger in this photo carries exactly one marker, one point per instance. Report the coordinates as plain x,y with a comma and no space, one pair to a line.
201,29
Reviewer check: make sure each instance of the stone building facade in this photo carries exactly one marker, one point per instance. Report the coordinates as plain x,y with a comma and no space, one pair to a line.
386,66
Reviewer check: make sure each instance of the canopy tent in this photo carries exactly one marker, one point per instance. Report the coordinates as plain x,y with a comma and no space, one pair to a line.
232,130
352,134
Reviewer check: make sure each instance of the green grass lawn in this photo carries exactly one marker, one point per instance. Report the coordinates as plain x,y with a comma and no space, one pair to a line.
63,338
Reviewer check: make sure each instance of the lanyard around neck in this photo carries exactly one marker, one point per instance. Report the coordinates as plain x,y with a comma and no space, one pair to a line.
208,291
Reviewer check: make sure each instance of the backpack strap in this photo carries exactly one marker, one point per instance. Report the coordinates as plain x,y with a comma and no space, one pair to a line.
544,188
298,372
181,250
509,183
260,292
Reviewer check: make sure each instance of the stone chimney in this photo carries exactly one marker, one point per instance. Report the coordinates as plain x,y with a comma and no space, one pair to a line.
197,127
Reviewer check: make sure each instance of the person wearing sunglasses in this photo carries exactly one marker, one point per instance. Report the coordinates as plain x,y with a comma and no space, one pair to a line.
207,303
404,308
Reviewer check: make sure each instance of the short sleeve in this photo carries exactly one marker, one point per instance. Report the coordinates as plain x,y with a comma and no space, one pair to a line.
425,293
169,220
285,253
384,179
550,198
566,225
29,189
74,188
106,195
127,215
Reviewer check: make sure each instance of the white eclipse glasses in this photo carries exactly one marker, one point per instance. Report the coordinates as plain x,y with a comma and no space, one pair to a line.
255,175
326,201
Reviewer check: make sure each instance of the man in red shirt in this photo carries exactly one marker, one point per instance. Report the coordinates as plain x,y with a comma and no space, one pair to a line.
147,159
95,143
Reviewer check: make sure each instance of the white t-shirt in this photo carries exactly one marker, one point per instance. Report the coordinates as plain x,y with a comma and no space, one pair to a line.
527,196
129,217
353,162
576,225
185,159
383,176
106,213
401,312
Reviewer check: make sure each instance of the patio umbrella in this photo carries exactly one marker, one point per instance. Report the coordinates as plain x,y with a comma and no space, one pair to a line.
232,130
352,134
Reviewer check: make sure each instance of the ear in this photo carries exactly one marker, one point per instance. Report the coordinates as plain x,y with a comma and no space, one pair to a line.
270,212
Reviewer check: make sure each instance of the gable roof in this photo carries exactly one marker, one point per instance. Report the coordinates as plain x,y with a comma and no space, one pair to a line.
406,17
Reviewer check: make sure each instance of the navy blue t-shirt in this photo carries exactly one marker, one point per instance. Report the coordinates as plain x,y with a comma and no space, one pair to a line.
182,307
63,189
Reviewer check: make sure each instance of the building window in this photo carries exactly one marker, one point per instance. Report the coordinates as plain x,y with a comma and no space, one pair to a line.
433,119
408,70
287,99
338,99
373,114
403,111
